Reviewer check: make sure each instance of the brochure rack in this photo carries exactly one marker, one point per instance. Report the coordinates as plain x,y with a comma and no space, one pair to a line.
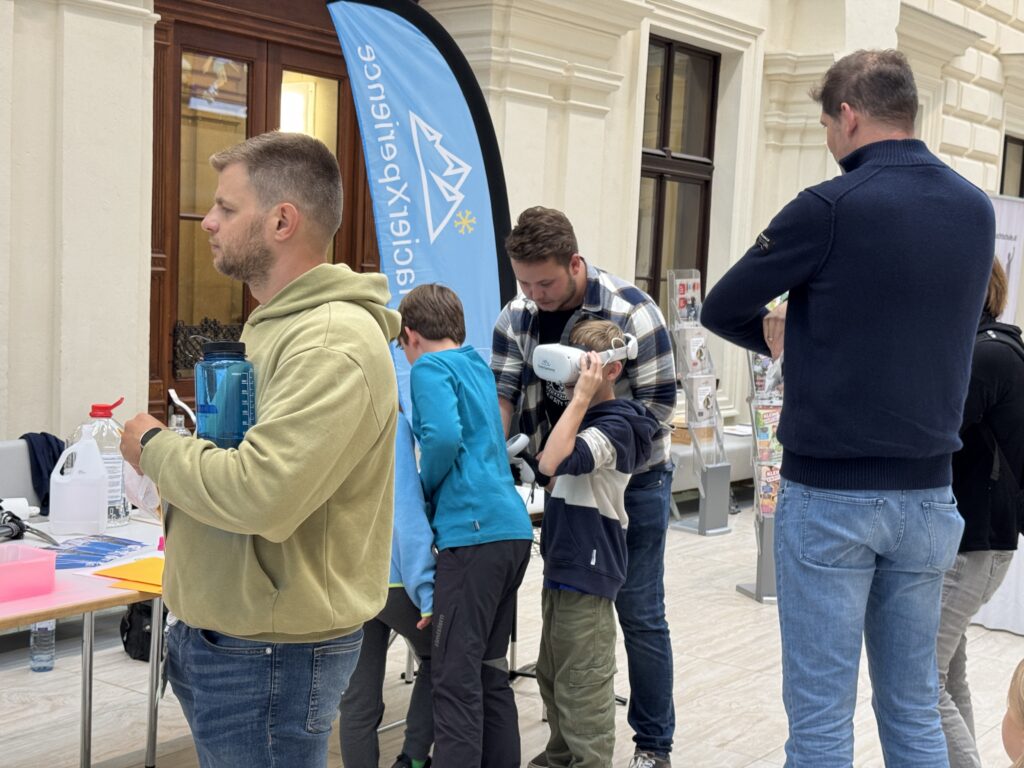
696,371
765,410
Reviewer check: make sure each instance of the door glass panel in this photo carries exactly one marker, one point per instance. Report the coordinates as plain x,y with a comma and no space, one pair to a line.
309,105
1013,164
680,244
214,116
645,233
652,99
691,102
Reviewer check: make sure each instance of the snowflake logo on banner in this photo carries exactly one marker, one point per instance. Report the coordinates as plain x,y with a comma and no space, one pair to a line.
464,222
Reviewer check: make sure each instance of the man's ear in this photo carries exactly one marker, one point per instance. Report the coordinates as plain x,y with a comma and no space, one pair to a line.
286,221
849,119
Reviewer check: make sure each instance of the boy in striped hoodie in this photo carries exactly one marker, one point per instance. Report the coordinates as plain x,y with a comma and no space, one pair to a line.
591,452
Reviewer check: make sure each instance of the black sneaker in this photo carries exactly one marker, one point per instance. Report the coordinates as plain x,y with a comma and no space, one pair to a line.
404,761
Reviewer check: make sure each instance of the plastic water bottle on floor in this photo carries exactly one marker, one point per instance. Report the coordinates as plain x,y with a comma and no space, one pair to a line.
42,645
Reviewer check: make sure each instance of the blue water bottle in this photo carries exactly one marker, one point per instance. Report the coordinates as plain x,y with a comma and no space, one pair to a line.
225,393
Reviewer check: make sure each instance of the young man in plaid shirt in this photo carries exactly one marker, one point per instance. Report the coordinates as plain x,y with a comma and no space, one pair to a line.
560,289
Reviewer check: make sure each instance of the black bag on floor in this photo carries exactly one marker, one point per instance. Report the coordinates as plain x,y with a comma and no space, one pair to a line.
137,629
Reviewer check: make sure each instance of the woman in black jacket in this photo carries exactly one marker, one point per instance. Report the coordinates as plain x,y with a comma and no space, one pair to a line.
985,475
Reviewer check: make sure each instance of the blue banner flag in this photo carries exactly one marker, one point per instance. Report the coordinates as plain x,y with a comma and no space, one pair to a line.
432,161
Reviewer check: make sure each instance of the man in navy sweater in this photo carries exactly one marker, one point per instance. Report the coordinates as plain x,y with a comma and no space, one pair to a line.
886,268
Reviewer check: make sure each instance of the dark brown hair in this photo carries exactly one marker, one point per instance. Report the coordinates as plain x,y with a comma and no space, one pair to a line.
541,234
434,312
292,168
878,83
998,287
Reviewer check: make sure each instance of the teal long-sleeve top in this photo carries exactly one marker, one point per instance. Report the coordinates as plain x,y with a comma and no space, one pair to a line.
412,555
463,463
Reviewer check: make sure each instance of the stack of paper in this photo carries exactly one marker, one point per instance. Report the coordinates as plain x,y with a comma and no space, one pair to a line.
145,575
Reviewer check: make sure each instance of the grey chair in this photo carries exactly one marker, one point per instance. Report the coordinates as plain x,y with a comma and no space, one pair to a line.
16,472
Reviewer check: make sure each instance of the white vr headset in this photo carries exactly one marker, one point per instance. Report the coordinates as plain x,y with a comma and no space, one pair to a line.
561,363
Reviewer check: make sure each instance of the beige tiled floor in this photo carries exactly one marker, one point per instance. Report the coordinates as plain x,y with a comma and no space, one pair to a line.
727,681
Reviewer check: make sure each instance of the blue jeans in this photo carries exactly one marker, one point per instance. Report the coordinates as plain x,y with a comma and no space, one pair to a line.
641,609
853,564
252,703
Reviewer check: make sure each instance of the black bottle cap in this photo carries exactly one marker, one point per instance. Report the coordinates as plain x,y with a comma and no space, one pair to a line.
213,347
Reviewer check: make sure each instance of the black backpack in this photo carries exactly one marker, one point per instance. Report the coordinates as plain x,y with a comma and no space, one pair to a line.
1010,338
137,629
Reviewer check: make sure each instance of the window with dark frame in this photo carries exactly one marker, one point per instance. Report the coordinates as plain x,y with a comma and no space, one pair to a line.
1013,167
676,163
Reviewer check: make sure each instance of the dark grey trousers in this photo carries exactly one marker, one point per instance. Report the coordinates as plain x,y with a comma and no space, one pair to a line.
362,706
476,724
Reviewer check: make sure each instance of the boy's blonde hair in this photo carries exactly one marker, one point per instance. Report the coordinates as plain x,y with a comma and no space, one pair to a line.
597,335
1015,703
998,290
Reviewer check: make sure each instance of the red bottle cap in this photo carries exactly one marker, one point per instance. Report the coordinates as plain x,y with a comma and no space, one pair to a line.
100,411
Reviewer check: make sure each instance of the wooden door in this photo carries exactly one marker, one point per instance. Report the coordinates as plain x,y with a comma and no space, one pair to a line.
221,77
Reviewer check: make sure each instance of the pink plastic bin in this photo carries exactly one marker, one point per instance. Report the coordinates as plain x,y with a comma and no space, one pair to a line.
25,571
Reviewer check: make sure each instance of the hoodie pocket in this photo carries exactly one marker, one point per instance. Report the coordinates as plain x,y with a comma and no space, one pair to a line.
586,539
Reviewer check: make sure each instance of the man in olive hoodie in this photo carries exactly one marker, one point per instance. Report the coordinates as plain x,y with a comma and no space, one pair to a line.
277,552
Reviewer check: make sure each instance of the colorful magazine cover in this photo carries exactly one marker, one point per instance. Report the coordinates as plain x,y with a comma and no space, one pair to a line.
766,378
766,426
687,298
767,483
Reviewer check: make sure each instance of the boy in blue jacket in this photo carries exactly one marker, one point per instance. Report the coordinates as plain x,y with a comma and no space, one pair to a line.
591,452
408,612
481,530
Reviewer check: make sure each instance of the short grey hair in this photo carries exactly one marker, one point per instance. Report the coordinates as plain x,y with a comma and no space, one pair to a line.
293,168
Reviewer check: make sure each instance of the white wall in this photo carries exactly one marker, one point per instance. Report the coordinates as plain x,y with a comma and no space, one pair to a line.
564,80
75,197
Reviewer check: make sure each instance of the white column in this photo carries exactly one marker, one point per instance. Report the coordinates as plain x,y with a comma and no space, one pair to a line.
6,114
81,188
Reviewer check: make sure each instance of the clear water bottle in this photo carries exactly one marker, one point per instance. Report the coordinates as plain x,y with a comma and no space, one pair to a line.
178,425
42,645
225,394
106,431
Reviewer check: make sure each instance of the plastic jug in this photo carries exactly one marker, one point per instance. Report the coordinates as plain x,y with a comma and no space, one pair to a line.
106,431
78,494
225,394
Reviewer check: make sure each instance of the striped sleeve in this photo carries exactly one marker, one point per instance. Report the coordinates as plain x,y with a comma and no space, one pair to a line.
507,356
652,377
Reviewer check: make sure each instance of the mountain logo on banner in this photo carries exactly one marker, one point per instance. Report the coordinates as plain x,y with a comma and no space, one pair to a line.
442,175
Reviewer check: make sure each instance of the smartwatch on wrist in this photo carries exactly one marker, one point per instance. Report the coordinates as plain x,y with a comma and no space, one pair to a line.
149,435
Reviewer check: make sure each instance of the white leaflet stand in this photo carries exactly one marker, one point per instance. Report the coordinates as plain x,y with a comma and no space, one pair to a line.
697,371
765,411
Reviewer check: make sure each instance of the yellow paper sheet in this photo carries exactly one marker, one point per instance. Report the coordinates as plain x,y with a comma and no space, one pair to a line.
137,586
149,570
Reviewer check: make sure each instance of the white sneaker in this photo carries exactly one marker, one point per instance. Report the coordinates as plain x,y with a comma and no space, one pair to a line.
643,759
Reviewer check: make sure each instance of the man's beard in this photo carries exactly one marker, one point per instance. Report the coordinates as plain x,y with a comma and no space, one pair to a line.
249,262
569,300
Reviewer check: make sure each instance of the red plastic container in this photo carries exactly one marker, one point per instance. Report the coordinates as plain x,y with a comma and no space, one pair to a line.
25,571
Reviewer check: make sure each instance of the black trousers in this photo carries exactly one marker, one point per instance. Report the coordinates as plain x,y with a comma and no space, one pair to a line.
475,718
